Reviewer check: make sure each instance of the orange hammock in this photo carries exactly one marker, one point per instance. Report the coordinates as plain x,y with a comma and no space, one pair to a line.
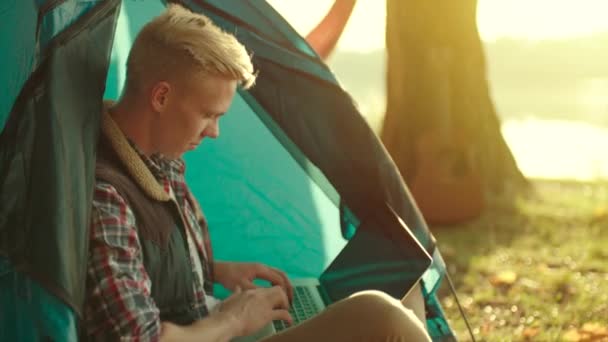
324,37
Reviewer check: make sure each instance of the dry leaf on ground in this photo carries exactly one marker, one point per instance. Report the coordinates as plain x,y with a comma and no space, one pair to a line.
596,330
572,335
530,332
503,278
591,331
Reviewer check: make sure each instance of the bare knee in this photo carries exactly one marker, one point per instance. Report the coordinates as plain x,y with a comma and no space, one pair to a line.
371,298
385,316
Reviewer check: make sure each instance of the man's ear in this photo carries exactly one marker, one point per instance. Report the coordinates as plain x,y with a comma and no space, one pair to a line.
160,96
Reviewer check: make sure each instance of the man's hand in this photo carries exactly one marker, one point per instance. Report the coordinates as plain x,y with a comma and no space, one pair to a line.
241,314
236,274
253,309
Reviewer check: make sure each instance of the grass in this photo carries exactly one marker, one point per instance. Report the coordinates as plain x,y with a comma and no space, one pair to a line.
535,269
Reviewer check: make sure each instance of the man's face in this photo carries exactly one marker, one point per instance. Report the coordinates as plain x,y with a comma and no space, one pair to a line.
191,113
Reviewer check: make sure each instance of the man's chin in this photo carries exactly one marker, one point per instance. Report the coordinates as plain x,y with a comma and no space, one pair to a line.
192,147
174,156
180,154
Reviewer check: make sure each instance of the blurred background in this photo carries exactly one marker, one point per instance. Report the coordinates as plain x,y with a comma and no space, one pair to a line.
547,71
529,260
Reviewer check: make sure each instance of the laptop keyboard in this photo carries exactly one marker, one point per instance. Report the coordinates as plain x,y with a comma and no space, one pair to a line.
302,308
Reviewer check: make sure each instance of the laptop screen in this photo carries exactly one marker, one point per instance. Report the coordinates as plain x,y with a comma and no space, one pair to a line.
382,255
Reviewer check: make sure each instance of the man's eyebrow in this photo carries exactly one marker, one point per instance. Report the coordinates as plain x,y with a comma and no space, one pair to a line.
213,114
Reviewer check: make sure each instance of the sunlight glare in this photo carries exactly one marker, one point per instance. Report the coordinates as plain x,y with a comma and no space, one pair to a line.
541,19
528,19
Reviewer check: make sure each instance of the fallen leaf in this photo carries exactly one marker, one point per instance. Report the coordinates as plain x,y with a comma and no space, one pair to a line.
572,335
595,329
530,332
600,214
503,278
486,329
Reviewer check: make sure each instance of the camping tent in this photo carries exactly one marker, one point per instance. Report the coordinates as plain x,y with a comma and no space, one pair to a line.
296,162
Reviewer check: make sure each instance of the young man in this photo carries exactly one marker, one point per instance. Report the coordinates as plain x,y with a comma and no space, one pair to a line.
151,267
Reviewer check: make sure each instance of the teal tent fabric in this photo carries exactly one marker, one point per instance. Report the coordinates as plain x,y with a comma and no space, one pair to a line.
296,162
30,312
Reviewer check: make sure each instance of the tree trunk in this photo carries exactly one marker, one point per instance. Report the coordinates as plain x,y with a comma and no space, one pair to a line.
436,82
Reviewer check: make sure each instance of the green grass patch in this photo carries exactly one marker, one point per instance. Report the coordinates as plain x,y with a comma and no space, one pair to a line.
533,269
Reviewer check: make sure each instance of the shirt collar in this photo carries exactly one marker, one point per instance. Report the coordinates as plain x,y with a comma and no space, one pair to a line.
160,166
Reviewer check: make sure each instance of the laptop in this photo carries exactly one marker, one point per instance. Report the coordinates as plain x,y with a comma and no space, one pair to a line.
382,255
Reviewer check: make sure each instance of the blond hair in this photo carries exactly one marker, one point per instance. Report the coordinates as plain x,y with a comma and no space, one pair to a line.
179,42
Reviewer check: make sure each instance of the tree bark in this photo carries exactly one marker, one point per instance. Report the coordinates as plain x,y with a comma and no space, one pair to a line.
436,79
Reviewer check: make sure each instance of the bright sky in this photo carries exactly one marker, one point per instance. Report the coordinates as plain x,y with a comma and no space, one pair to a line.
531,19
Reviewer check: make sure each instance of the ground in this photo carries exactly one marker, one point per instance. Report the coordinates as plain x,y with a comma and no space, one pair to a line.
533,269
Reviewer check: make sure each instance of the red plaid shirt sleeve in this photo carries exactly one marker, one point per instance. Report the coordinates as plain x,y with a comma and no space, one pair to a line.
119,305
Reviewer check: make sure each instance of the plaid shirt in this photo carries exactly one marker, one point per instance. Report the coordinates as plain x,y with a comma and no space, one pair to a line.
118,301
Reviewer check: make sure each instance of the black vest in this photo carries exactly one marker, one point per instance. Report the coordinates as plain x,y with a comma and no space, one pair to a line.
162,235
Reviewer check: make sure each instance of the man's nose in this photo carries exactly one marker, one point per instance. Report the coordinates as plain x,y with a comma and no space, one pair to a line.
213,131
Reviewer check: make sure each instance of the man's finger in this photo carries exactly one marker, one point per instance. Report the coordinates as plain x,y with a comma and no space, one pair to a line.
282,315
267,273
247,285
278,298
288,286
277,277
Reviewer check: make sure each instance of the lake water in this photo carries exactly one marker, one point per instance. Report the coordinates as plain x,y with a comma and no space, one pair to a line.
554,149
558,148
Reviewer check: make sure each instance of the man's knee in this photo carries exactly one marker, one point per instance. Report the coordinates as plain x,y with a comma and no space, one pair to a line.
386,316
372,301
